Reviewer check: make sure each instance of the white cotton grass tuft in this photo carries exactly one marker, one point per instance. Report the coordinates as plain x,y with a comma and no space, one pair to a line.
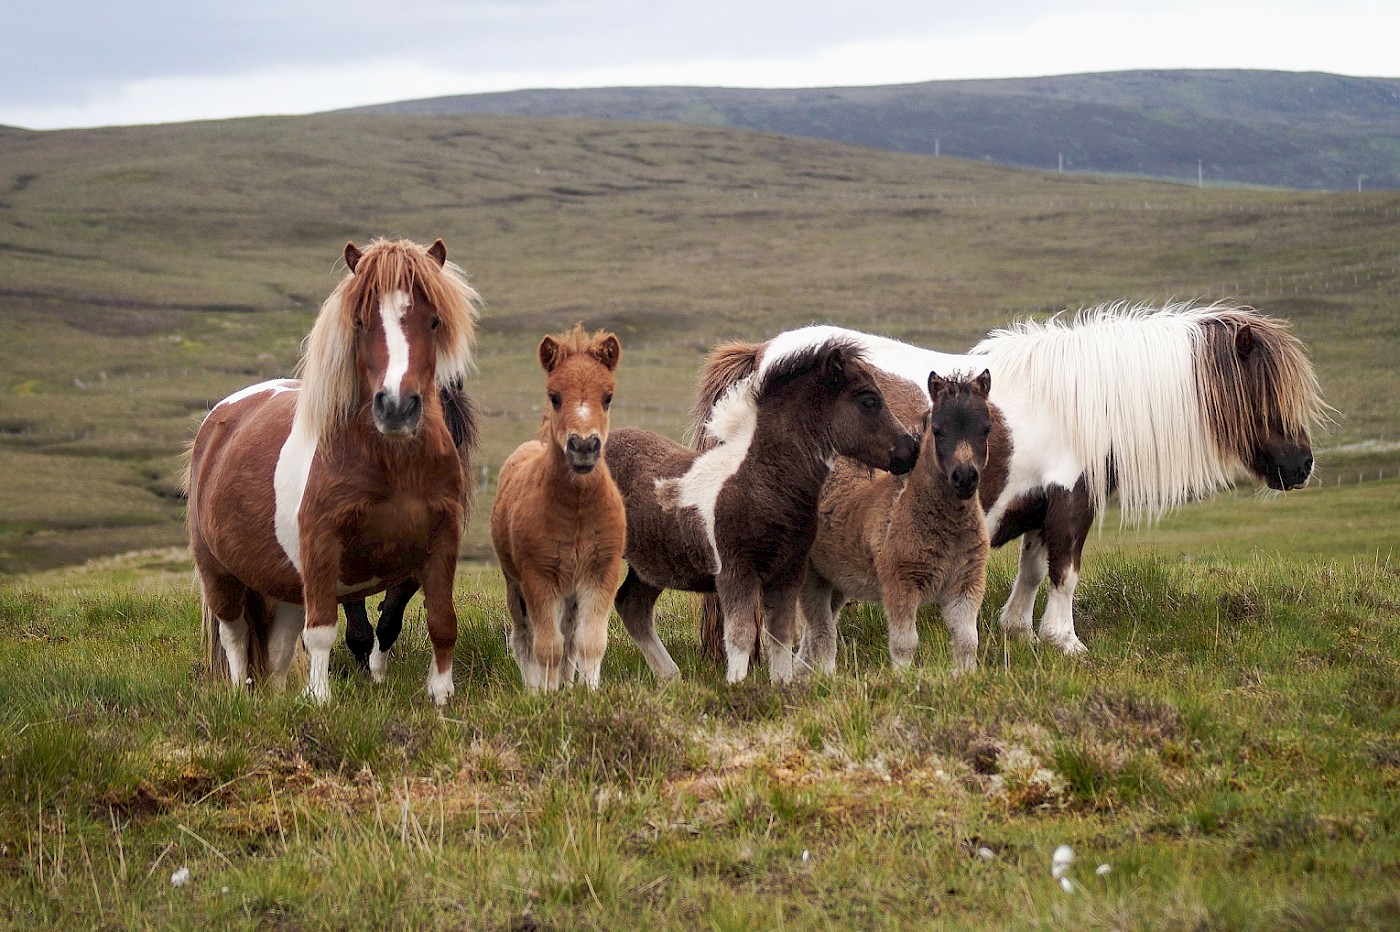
986,854
1103,869
1060,861
180,877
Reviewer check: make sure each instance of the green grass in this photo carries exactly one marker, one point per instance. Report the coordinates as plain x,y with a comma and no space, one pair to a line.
1228,748
148,271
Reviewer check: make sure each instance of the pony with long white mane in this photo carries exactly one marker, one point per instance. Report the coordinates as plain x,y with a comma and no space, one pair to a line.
305,493
1160,406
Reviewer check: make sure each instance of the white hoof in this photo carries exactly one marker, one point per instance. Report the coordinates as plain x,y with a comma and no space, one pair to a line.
1069,645
378,664
440,687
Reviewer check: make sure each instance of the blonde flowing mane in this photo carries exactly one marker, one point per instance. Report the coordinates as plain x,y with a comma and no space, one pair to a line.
328,396
1156,402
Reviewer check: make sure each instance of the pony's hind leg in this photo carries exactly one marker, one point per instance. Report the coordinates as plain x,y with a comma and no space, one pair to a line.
1017,614
391,612
288,619
359,634
227,633
635,602
819,603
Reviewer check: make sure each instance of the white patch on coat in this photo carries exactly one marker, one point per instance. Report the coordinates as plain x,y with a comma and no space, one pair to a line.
275,386
289,485
732,424
344,588
392,308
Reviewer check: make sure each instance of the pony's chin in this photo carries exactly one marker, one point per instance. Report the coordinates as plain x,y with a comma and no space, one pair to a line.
583,469
397,434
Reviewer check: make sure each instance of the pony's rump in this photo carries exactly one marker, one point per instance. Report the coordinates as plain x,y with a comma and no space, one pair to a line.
726,366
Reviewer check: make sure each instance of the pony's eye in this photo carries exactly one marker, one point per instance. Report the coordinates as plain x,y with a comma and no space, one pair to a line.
436,322
870,402
986,431
556,400
607,400
359,324
938,432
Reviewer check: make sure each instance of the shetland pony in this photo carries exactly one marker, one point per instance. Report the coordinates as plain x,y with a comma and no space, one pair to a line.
1162,406
908,542
558,523
739,519
344,483
370,644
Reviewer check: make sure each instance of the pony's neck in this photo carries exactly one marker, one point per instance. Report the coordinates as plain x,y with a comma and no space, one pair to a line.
796,460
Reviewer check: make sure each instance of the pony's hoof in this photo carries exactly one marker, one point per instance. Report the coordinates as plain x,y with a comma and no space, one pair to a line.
320,696
440,688
1070,646
378,665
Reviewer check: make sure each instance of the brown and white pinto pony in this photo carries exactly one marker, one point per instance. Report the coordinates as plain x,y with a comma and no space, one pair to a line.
558,523
909,541
1160,406
305,493
739,519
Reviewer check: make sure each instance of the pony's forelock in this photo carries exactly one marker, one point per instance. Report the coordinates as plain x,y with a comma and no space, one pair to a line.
327,368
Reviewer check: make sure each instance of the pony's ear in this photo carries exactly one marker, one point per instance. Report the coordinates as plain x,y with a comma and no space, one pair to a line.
551,353
352,256
438,252
607,350
936,386
1244,342
834,369
984,382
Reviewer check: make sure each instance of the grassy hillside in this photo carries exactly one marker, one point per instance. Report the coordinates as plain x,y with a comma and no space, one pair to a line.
148,271
1300,130
1227,749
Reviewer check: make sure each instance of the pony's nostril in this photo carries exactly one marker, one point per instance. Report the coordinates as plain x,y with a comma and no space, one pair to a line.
412,405
1308,466
594,445
380,397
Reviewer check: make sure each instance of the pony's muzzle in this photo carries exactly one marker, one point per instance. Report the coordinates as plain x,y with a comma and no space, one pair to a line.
904,455
397,417
965,479
582,453
1289,475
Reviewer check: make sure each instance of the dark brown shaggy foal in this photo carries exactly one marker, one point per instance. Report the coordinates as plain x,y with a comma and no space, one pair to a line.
908,542
739,518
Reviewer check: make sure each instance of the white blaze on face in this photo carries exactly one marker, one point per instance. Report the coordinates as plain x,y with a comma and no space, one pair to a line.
392,308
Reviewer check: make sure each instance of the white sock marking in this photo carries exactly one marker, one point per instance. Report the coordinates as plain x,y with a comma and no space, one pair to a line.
319,641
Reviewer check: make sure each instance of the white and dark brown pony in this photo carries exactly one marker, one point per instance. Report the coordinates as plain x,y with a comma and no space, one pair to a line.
558,524
738,519
908,541
1160,406
306,493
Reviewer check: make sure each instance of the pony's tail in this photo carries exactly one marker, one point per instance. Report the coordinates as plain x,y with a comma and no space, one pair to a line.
726,365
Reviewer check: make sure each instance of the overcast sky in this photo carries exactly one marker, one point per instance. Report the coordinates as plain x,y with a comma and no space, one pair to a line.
66,63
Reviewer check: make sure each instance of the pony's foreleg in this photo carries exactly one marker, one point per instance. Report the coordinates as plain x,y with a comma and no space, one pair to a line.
545,637
288,619
743,618
436,578
960,615
1017,614
780,610
818,603
902,614
591,629
635,601
1068,518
